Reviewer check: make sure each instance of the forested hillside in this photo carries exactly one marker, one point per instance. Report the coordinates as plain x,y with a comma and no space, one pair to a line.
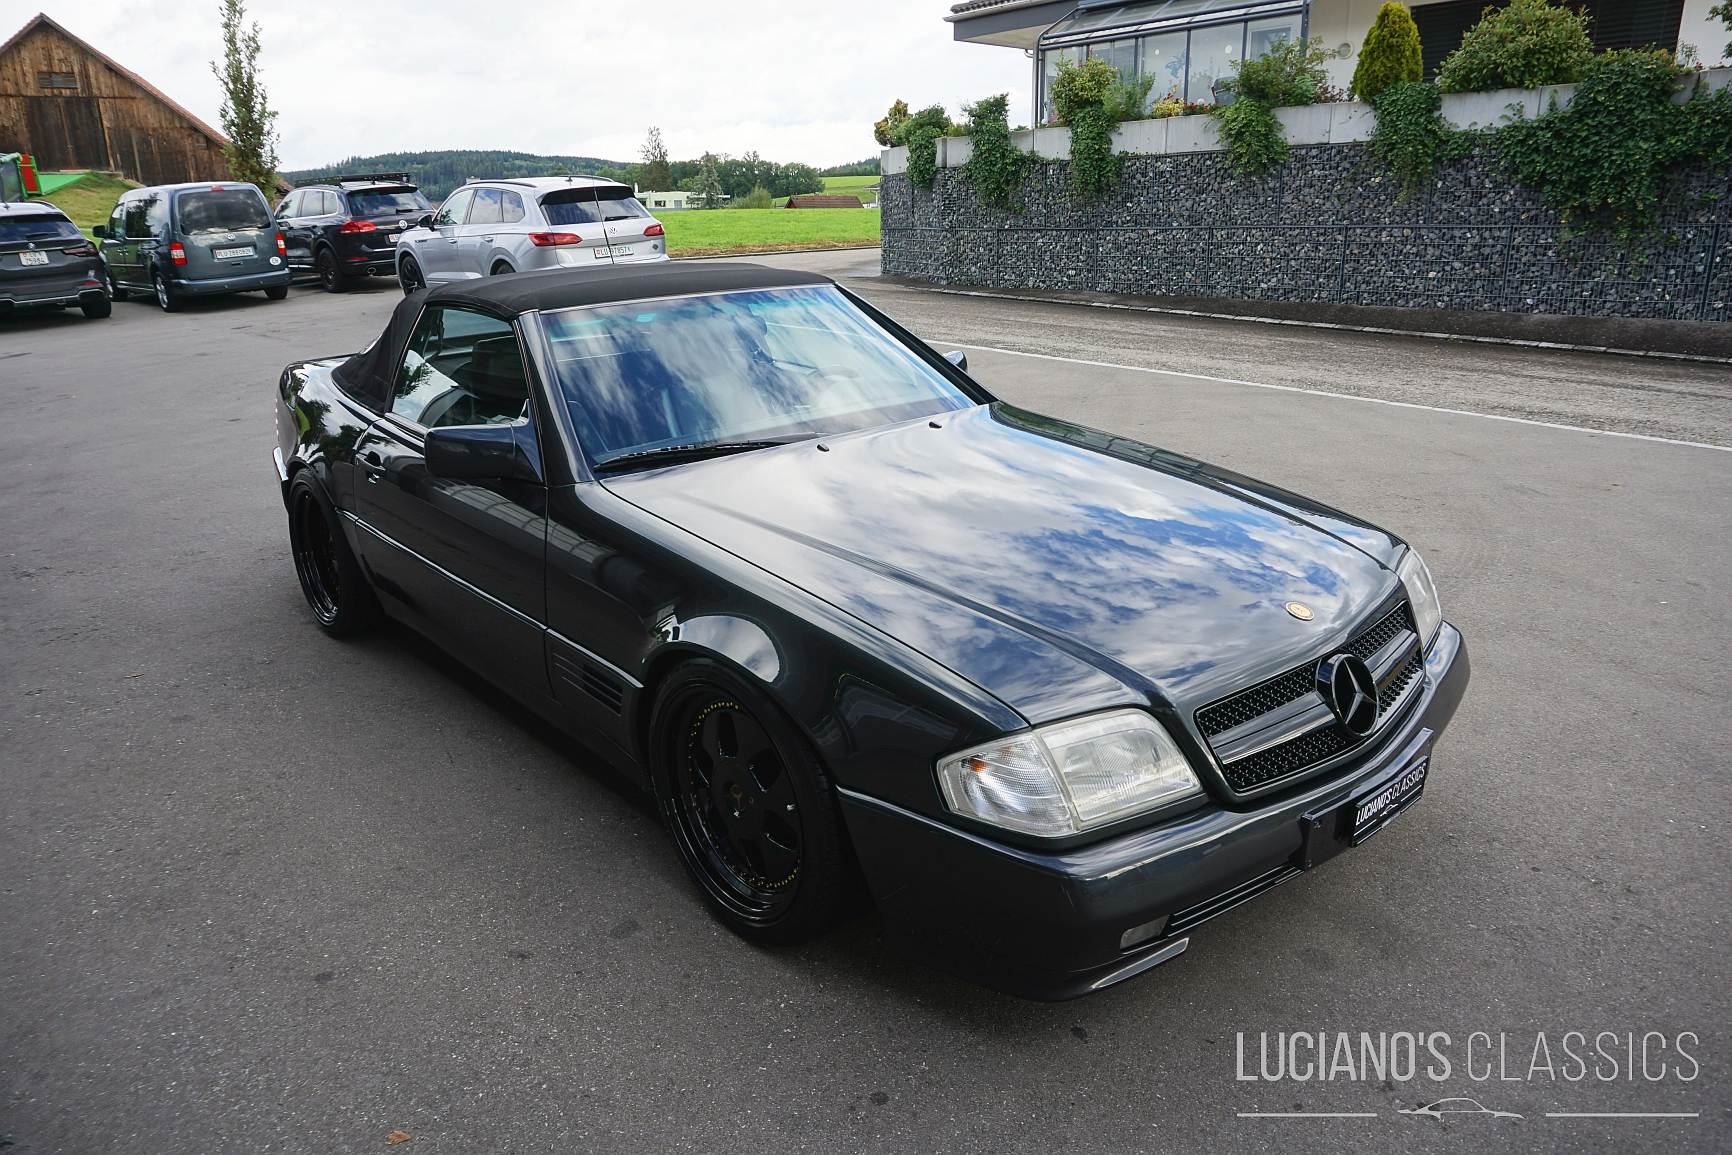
439,172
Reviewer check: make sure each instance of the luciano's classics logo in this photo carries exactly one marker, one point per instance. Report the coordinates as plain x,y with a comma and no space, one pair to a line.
1572,1057
1460,1105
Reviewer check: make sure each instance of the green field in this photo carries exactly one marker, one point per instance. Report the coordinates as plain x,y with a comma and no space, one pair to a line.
705,233
844,185
89,200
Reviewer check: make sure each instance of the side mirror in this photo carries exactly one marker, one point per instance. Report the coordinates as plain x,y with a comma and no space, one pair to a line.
958,358
426,221
99,231
482,452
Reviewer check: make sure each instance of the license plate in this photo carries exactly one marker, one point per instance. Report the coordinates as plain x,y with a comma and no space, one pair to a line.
33,258
1366,816
622,250
231,254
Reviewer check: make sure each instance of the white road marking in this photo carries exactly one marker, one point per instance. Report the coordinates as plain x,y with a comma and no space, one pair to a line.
1341,396
1307,1114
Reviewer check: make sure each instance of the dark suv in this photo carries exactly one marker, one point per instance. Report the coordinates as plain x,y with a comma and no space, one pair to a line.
46,262
347,226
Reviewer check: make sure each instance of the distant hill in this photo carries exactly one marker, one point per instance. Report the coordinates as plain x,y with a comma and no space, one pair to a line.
868,167
439,172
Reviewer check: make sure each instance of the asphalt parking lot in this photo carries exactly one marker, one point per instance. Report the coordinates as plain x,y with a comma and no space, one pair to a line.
263,891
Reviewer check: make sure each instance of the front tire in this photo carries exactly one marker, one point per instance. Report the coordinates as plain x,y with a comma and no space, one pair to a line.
409,276
331,578
331,276
750,807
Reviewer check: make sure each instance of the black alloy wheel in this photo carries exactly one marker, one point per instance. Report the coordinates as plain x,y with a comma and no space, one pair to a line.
331,276
330,576
750,809
409,276
165,297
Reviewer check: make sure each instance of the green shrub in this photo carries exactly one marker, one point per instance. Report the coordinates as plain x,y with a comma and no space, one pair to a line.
1724,12
1411,135
1526,45
920,132
886,130
758,198
1289,73
1390,54
1128,94
1079,97
996,168
1601,162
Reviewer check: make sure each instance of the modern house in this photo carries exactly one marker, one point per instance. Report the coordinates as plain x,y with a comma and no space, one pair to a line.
1190,45
71,107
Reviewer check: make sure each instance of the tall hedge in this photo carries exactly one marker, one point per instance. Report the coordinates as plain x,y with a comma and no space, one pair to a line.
1526,45
1390,54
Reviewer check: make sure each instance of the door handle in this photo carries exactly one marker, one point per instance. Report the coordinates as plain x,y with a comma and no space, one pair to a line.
487,238
372,465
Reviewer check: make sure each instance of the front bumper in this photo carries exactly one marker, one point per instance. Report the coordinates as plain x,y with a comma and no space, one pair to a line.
250,282
1049,926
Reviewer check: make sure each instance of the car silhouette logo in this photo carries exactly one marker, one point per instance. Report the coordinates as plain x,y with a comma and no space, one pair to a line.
1457,1106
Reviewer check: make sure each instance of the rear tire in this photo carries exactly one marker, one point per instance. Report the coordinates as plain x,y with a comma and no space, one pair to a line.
96,310
330,274
166,299
332,580
751,808
276,292
500,269
409,276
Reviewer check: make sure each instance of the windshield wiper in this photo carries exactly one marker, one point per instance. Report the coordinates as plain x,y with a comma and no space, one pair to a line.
697,451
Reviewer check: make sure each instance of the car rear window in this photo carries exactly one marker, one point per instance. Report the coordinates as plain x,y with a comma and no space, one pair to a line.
766,364
379,202
588,206
36,227
223,210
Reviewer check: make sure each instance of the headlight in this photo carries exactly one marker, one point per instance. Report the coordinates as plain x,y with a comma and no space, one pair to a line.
1421,595
1069,777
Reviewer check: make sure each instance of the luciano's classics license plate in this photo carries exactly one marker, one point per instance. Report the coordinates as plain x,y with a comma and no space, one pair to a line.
1372,813
33,258
231,254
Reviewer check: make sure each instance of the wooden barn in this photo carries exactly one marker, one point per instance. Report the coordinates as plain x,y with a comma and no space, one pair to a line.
71,107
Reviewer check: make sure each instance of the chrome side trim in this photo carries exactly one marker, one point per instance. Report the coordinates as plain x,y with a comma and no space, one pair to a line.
282,469
592,656
443,572
1154,958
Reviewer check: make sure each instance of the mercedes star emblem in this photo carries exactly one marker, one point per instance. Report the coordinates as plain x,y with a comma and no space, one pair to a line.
1300,610
1346,684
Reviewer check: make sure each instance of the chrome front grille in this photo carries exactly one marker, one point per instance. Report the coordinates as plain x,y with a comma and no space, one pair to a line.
1281,727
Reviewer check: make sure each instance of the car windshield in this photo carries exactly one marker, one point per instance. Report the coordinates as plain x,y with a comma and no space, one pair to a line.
223,211
589,206
379,203
748,366
36,227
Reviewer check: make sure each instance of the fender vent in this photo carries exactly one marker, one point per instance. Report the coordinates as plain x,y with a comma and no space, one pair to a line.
592,680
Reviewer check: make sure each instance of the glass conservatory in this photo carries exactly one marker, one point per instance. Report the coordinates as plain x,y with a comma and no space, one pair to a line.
1189,46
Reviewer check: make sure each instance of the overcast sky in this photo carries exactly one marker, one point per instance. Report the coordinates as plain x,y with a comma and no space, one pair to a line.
801,81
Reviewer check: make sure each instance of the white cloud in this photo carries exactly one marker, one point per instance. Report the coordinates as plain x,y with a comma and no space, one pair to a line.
572,77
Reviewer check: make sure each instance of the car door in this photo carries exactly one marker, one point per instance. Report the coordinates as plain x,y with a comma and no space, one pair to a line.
475,237
117,250
297,237
462,560
435,248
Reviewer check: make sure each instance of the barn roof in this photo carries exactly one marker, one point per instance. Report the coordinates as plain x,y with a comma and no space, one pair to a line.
820,201
42,18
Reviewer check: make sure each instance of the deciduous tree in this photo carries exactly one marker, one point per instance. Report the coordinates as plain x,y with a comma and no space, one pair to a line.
247,118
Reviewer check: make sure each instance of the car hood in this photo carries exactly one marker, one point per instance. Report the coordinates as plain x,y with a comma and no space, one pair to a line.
1059,569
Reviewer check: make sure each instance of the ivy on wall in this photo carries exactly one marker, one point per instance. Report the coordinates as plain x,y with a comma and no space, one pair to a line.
996,167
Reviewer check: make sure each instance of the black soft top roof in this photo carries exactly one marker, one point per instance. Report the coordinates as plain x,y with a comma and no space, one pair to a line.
370,373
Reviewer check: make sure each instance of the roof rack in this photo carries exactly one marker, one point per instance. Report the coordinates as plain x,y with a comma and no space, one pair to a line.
358,178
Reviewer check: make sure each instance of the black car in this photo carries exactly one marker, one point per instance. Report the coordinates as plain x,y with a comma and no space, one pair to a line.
347,226
198,239
46,263
1054,697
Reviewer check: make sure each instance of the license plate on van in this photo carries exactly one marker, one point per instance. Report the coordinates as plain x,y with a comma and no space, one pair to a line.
33,258
231,254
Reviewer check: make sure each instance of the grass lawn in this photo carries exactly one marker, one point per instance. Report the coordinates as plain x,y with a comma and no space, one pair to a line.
846,185
89,200
718,232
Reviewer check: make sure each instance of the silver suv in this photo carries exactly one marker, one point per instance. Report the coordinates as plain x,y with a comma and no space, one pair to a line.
487,228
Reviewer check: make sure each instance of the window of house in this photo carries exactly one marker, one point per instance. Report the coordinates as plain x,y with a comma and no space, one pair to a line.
1262,35
57,80
1164,56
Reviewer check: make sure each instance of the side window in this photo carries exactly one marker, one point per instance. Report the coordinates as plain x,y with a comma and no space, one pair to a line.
117,223
135,217
511,208
156,215
461,368
485,210
323,204
290,207
455,208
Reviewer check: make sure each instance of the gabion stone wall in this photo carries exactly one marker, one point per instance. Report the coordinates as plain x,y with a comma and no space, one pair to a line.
1329,226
